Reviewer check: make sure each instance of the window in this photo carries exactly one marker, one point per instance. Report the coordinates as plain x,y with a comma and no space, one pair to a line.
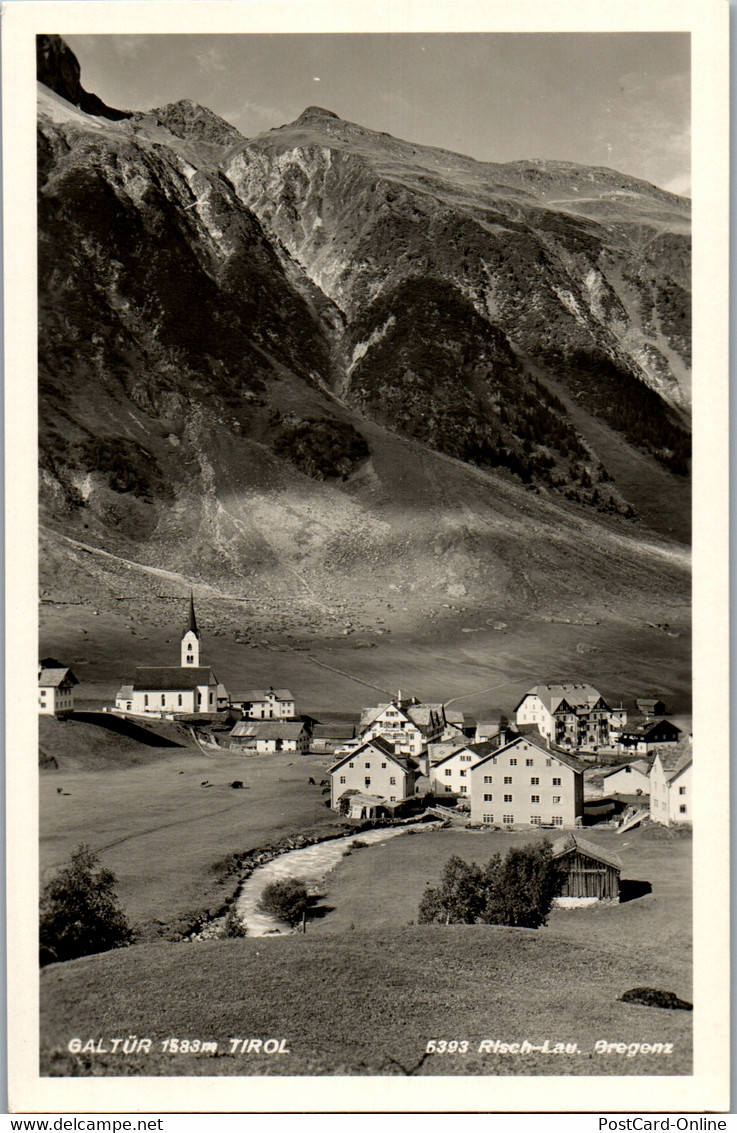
681,790
556,782
557,820
190,660
383,765
448,771
463,772
529,763
179,700
507,778
448,789
342,778
392,781
535,820
464,789
488,818
163,698
556,799
534,781
534,798
488,798
465,759
508,819
487,778
351,765
548,763
367,766
681,809
513,763
145,700
508,799
367,781
493,759
393,799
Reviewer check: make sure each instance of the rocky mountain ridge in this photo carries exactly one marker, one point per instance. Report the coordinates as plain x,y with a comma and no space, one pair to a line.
328,358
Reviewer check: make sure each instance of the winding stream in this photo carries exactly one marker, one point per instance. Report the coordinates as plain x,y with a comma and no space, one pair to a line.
311,865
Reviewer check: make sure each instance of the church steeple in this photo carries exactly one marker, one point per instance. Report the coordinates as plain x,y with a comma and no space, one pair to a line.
191,638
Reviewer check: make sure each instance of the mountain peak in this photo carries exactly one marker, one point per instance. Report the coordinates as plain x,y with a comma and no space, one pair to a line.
311,113
188,120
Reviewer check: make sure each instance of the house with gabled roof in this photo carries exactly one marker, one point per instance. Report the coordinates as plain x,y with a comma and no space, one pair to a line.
570,714
266,737
628,778
451,775
671,798
406,723
187,689
265,703
374,768
56,683
591,872
527,782
642,734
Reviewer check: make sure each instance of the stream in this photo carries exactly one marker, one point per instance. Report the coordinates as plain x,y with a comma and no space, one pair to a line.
310,865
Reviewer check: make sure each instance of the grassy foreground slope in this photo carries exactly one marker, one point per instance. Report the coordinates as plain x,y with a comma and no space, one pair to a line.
364,990
352,1004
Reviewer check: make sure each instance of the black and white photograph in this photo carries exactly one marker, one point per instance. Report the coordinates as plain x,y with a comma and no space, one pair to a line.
371,653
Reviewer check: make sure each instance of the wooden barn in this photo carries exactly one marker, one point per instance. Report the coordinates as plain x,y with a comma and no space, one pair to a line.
591,873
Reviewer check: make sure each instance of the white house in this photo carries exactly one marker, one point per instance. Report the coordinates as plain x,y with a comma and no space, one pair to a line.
629,779
186,689
269,736
526,783
405,723
265,703
671,797
55,688
376,769
571,715
451,775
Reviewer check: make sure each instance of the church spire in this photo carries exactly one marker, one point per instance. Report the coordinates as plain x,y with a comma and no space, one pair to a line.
192,622
190,650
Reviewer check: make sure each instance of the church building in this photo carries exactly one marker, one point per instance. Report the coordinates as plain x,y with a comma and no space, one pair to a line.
189,689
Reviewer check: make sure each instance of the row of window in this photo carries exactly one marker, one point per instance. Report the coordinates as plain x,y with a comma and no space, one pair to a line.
367,779
535,819
528,762
533,798
179,699
508,779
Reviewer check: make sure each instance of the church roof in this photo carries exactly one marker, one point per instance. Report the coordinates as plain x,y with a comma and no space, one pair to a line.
192,620
154,679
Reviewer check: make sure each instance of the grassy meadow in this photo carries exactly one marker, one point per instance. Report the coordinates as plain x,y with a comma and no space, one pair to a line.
365,989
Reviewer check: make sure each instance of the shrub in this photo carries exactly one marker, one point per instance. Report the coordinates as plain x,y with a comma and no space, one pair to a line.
80,913
233,926
516,890
285,900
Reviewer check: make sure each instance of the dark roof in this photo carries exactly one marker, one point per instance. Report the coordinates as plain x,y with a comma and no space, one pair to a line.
191,620
333,731
571,842
538,742
640,726
577,696
384,748
172,679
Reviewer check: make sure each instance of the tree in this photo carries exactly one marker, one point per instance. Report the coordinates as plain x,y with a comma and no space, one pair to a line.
80,913
285,900
516,890
460,898
521,886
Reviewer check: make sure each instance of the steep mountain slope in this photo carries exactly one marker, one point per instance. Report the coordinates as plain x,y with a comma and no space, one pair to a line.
585,270
327,364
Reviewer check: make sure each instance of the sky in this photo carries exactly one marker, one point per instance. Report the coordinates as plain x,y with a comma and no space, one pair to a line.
616,99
